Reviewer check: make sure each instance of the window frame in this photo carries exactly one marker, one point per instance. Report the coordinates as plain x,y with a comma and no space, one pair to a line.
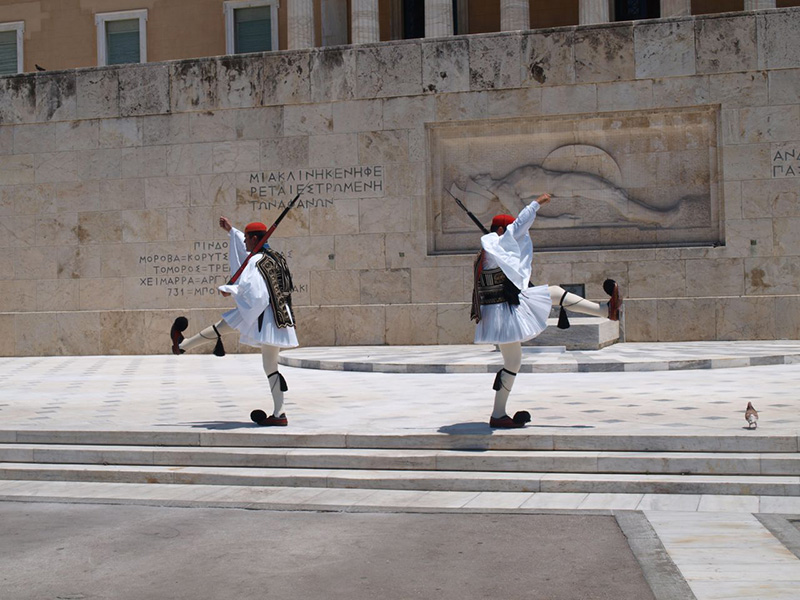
100,20
230,6
19,27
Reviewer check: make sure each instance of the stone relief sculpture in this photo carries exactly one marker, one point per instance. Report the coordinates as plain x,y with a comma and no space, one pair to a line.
605,203
636,179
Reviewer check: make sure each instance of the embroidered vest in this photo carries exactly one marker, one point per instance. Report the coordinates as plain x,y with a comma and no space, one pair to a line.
273,268
491,286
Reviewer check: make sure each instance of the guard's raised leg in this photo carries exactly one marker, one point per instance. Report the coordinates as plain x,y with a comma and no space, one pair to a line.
213,333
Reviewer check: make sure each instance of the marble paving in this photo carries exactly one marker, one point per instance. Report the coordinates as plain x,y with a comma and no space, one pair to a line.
717,544
728,555
207,393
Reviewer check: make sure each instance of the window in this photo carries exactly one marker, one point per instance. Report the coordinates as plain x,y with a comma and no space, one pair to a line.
334,22
121,37
413,19
633,10
251,26
11,47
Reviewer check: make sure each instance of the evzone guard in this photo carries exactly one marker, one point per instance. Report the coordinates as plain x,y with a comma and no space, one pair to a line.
507,311
263,316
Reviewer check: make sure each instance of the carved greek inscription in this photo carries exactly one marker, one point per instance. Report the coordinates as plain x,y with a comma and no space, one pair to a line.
319,187
786,162
195,273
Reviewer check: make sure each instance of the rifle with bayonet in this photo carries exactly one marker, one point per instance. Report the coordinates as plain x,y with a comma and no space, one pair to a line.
469,213
263,240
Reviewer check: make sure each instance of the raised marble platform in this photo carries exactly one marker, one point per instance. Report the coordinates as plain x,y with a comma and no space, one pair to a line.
546,359
584,333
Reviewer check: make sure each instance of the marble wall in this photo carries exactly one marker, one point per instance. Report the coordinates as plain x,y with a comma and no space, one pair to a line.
112,181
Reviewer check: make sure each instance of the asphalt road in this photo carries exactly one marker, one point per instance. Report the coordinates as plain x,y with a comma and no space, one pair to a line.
89,552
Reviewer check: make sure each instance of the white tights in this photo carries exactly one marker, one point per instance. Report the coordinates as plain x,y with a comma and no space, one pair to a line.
269,359
512,352
512,361
575,303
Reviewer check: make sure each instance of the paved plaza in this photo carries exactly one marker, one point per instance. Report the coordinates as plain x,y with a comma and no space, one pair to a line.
206,393
720,546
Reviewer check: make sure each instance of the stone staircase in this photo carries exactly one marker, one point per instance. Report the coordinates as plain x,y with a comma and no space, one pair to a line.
507,462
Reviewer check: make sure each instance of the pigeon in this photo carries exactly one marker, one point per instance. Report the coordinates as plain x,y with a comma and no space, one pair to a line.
751,416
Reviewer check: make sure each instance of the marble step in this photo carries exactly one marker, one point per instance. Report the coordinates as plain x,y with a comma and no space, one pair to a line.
368,500
464,481
467,437
409,459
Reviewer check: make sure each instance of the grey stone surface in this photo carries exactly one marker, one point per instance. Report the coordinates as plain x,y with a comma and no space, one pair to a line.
19,99
726,44
778,40
583,334
446,66
548,58
664,577
240,83
494,62
462,554
97,93
740,89
783,85
604,53
144,90
56,98
783,529
664,49
286,77
389,70
193,85
333,74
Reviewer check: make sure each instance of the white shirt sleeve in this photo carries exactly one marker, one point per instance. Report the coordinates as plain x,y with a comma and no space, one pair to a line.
237,253
524,220
513,251
250,293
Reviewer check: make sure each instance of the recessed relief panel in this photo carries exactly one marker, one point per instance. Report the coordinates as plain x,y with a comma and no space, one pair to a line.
618,180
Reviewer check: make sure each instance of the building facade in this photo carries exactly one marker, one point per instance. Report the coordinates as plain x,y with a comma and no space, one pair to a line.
68,34
672,147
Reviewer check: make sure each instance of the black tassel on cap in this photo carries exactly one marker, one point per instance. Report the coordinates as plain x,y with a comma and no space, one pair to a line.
219,349
608,286
563,320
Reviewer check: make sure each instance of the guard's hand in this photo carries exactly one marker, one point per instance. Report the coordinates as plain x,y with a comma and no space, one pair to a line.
543,199
225,223
225,294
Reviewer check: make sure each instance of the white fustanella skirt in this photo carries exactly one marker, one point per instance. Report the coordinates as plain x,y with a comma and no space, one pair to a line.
505,323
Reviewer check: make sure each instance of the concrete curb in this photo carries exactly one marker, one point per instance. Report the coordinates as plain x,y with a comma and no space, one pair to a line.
659,570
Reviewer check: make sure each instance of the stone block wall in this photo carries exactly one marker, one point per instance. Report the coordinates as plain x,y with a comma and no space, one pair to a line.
112,181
